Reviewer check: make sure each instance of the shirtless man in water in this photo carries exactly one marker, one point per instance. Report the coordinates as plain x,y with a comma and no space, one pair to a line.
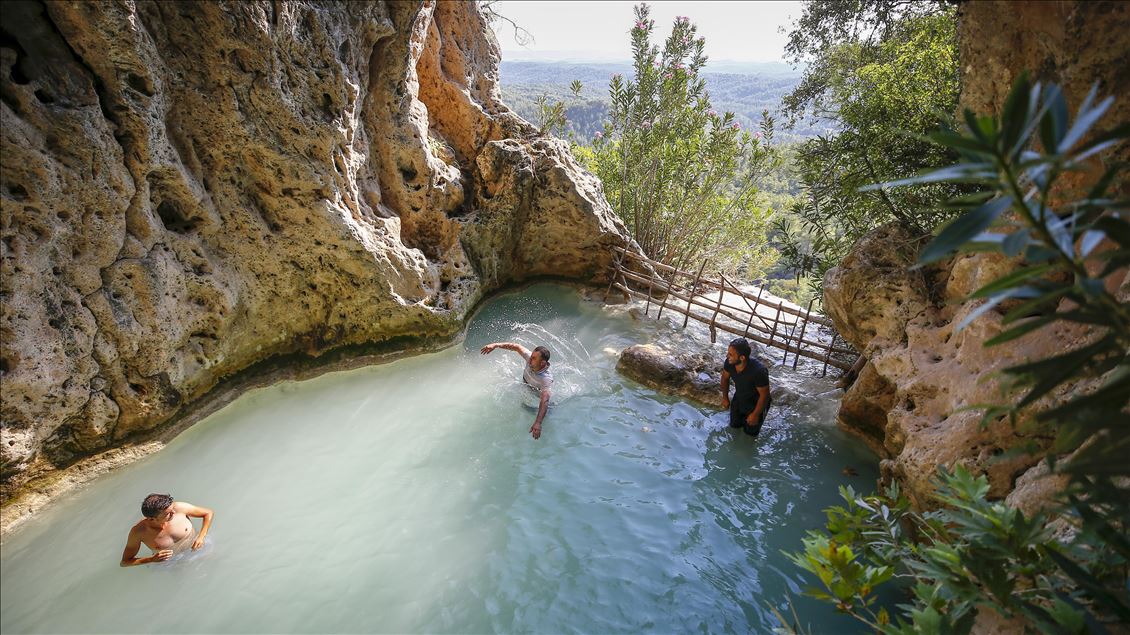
166,530
536,374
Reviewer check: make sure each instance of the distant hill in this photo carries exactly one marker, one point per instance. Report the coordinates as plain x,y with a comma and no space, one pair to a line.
745,94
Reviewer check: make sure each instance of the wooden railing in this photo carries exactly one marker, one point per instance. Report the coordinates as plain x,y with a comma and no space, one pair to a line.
786,330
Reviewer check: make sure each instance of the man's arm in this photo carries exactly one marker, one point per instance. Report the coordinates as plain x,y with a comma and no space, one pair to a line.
192,511
510,346
133,545
762,404
542,408
725,389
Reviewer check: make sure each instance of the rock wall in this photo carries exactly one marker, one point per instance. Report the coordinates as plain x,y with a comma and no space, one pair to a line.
909,401
190,188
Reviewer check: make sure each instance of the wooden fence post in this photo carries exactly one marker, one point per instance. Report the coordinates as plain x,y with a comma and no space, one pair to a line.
650,284
804,325
776,321
667,293
828,353
713,334
757,302
615,270
788,338
752,311
694,287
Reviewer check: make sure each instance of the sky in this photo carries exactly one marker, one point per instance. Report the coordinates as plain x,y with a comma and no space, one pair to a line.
597,30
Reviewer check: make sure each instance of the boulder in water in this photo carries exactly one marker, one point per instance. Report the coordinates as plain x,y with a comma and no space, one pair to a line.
695,376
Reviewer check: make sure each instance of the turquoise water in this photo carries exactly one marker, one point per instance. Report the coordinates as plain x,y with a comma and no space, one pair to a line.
409,497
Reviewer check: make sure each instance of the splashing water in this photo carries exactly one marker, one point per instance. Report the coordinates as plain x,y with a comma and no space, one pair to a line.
409,497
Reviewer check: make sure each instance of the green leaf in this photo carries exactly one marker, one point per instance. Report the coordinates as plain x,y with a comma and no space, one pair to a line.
1102,141
1011,279
1015,242
1086,118
1115,537
962,229
1095,588
1037,305
956,141
1091,239
1037,252
989,305
1053,371
1018,331
961,173
1053,124
1116,228
1015,112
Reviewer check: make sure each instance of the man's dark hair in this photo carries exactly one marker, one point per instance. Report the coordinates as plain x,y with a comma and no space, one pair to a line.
155,504
544,353
741,347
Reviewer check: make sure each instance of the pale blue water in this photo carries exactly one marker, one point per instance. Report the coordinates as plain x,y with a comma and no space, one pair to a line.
409,497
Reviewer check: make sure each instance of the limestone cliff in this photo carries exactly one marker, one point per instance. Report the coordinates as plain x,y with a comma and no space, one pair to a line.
909,400
189,188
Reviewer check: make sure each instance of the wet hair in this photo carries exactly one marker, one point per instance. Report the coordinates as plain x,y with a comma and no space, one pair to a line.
155,504
741,347
544,353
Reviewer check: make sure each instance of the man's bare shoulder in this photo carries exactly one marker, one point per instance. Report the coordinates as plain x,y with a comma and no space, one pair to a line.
138,529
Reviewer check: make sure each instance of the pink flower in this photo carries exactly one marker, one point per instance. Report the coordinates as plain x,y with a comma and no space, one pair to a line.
646,125
666,75
679,65
757,135
711,113
599,136
617,77
640,24
736,126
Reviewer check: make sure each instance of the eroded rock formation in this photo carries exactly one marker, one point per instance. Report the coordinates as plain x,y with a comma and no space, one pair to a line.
694,375
189,188
909,401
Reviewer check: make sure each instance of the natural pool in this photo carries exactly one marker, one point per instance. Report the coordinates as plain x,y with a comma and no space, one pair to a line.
409,497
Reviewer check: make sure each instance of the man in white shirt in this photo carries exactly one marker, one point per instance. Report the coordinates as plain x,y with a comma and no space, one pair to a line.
536,374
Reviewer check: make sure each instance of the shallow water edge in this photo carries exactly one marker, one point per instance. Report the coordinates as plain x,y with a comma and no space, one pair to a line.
40,491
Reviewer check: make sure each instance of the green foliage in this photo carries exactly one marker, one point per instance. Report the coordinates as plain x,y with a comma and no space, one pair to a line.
975,554
827,27
551,115
884,81
972,555
682,176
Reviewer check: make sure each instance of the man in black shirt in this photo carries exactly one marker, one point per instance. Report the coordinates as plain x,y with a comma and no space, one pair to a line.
751,388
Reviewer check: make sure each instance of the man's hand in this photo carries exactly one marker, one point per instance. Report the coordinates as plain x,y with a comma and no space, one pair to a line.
198,543
752,418
725,402
487,349
161,555
536,430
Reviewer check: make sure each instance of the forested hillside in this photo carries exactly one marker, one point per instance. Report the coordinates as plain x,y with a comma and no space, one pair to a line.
746,95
